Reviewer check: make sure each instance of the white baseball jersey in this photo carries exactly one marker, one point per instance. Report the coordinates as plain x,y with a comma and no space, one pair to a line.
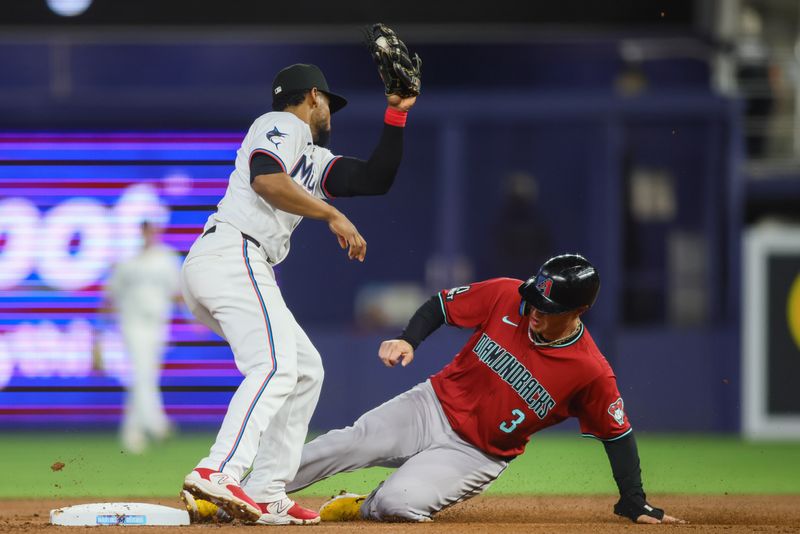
288,140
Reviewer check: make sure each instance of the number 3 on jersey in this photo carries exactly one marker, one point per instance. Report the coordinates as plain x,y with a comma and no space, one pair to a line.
508,428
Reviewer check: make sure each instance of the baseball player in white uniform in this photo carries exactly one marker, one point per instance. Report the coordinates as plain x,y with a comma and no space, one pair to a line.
282,174
142,289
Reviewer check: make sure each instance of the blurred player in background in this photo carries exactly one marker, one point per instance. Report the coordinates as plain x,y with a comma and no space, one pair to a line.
142,290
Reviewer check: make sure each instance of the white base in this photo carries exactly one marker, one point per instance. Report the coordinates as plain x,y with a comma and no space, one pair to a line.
118,513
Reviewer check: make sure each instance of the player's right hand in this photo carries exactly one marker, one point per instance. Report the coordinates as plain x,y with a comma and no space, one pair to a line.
348,236
401,103
394,351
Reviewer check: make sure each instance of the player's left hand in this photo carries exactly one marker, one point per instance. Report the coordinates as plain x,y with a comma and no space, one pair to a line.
667,519
394,351
637,509
401,103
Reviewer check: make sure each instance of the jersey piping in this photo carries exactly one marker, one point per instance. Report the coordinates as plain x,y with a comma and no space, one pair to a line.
272,354
444,311
325,173
269,153
571,342
615,438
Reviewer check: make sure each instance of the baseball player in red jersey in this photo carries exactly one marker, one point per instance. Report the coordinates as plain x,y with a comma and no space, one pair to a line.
283,173
530,364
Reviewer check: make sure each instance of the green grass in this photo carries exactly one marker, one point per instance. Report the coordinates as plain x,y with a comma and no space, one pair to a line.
553,464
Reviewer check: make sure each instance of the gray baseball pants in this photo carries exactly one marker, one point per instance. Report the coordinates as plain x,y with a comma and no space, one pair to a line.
436,468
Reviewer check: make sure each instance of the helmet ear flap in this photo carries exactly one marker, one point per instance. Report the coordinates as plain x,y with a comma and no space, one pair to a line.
524,306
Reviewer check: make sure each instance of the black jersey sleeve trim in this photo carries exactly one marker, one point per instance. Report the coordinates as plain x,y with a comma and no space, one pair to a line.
269,153
264,162
444,310
585,435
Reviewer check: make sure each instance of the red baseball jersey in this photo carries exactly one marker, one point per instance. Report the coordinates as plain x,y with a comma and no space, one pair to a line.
501,388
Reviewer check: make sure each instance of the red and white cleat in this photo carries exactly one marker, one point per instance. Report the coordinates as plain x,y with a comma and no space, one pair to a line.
286,512
222,490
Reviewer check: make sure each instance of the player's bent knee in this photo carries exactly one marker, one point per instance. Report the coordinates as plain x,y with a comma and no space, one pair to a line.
394,508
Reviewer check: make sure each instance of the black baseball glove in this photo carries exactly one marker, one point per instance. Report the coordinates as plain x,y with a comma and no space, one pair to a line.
635,505
399,71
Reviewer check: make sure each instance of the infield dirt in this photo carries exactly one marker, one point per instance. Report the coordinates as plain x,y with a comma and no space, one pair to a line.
728,514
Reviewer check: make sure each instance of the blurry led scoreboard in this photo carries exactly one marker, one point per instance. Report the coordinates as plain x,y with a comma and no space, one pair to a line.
71,206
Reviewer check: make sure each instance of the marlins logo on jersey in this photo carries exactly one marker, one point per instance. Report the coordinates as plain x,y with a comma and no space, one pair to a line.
275,136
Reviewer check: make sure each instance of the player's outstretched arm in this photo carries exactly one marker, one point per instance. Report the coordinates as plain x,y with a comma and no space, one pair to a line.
400,73
354,177
425,320
623,456
285,194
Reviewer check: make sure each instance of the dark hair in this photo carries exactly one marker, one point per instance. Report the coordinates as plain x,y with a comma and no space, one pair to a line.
282,101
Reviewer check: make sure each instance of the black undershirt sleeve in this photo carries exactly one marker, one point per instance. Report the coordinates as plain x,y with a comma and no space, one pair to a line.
351,177
623,456
263,164
425,320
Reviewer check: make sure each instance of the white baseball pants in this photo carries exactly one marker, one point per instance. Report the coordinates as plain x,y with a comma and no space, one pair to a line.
436,468
230,287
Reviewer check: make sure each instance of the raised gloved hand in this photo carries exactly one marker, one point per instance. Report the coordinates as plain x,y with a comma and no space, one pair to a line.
399,71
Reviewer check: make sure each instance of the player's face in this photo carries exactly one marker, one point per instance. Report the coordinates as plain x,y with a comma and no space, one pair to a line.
321,120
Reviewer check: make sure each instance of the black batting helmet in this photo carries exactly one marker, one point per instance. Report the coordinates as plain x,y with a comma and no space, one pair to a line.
563,283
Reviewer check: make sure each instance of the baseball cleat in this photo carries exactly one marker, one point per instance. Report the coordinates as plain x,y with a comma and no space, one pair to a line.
343,507
286,512
224,491
203,511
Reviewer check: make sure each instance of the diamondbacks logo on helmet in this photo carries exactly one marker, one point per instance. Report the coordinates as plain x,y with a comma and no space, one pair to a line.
544,285
616,411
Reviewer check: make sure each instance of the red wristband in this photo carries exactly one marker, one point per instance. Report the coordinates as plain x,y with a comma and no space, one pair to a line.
395,117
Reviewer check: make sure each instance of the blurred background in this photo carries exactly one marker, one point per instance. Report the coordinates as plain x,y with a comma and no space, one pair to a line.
661,139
